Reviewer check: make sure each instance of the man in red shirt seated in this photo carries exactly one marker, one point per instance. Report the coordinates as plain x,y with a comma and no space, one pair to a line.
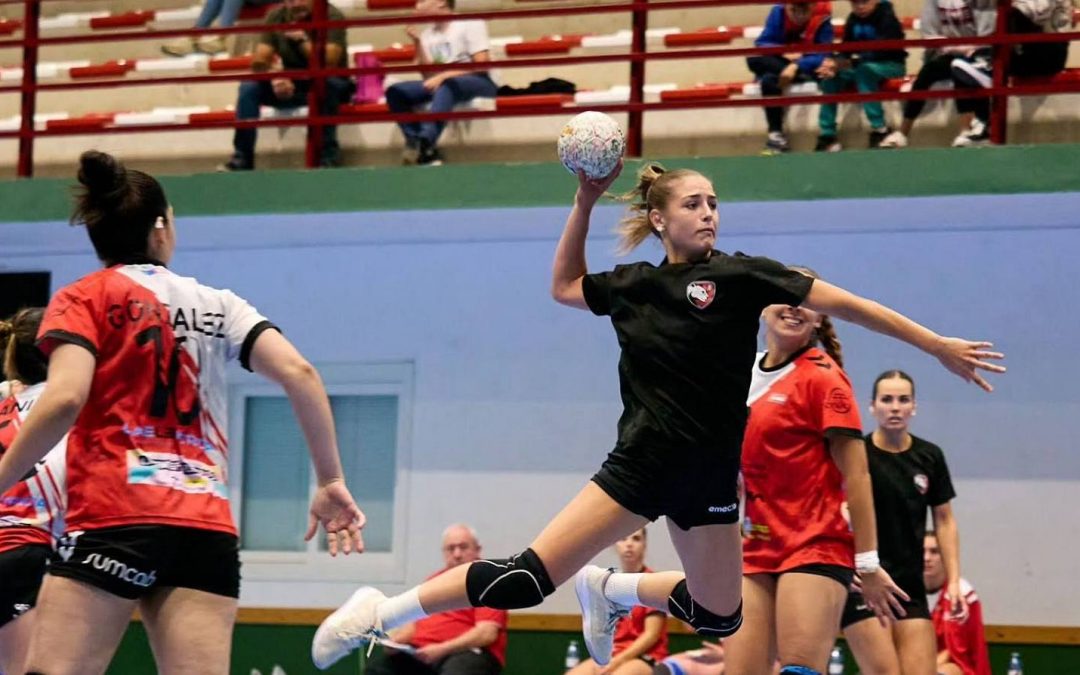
961,640
461,642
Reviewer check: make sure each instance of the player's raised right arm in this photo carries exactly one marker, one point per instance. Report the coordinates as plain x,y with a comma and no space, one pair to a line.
570,266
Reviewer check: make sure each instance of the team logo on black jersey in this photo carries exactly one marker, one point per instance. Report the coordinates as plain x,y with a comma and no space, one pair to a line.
701,293
922,483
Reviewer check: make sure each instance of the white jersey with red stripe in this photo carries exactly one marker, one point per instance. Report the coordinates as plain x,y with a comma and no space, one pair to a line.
31,512
150,445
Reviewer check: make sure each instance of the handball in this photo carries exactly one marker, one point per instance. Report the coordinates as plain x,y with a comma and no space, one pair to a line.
591,142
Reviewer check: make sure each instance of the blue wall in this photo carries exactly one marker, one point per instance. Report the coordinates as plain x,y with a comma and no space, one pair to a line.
509,383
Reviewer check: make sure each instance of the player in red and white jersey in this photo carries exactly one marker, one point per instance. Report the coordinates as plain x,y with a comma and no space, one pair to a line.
31,512
137,357
802,448
640,640
961,637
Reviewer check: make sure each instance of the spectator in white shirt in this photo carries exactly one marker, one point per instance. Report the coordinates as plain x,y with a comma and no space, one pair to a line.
443,41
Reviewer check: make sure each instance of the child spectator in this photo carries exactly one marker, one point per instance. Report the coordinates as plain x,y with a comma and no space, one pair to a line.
869,20
797,24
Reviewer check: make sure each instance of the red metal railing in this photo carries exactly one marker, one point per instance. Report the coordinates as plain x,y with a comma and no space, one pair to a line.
31,40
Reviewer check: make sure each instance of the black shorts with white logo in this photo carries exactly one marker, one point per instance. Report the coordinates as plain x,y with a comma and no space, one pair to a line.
131,561
21,572
691,487
856,610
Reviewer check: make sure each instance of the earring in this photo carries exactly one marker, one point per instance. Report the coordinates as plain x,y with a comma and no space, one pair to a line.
159,224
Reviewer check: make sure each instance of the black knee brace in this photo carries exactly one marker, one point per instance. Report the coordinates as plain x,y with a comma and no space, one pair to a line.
682,606
515,583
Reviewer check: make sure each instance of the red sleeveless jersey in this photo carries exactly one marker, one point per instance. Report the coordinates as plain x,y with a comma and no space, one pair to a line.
794,491
149,446
31,512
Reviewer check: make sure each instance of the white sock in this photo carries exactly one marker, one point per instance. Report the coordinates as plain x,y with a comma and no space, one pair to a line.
400,610
621,588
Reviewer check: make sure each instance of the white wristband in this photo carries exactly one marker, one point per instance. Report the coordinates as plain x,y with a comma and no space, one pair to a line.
867,562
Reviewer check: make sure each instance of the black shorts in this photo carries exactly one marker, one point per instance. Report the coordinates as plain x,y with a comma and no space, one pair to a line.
838,573
856,610
690,487
21,572
650,661
134,560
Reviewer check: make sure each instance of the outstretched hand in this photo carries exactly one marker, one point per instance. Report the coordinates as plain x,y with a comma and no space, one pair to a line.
591,189
334,508
966,358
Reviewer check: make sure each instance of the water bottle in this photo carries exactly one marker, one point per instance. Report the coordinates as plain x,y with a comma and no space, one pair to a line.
573,655
836,662
1016,666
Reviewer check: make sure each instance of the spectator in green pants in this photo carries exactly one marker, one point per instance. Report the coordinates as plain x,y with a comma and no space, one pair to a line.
869,20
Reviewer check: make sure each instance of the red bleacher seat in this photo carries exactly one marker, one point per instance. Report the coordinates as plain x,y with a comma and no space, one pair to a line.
699,93
233,63
540,46
705,36
107,69
88,122
125,20
528,101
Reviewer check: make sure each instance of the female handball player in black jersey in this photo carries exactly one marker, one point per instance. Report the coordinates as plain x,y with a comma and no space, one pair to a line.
909,475
687,330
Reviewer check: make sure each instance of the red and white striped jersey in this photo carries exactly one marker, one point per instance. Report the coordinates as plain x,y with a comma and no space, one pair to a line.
32,512
150,445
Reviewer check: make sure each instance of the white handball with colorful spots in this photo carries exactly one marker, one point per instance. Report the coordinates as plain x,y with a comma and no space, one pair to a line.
591,142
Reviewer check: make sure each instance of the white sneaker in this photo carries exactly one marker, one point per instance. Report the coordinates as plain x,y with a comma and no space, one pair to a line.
976,134
896,139
598,614
350,626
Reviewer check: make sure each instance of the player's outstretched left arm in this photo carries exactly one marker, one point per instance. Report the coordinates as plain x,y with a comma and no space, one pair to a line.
964,358
570,266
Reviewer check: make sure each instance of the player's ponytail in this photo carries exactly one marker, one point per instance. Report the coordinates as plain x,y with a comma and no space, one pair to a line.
118,206
23,361
826,336
653,191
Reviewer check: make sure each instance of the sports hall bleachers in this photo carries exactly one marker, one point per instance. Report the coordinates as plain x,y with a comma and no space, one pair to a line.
701,131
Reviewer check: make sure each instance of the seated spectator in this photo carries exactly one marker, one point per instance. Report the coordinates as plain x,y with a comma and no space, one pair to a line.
460,642
1027,60
292,48
444,41
796,24
961,640
226,12
945,19
869,20
641,640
